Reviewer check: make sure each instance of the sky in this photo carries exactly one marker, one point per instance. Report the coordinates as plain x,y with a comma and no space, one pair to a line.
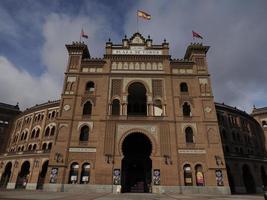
33,34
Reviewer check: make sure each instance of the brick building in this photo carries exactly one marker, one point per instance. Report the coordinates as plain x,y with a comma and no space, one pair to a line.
135,120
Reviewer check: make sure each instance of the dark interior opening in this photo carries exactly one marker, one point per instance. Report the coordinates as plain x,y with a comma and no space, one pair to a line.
41,178
6,175
136,164
137,104
23,178
248,180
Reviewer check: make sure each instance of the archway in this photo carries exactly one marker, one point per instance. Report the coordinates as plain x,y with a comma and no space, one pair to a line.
23,178
136,164
248,179
230,179
42,174
137,101
6,175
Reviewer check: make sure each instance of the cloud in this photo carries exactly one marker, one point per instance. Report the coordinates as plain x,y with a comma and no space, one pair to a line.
234,30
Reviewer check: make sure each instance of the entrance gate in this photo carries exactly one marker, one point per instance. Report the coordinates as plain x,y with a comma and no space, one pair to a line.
136,164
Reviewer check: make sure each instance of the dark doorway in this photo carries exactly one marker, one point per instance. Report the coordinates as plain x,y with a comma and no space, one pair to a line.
248,180
136,164
231,180
137,100
23,178
263,177
6,175
41,178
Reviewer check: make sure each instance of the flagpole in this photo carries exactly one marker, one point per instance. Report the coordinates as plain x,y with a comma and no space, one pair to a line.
137,22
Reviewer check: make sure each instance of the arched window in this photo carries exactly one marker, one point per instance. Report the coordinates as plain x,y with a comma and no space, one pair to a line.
47,130
158,111
34,147
264,123
188,181
84,135
199,175
87,108
189,136
73,177
30,147
22,136
49,146
44,146
53,114
33,134
53,131
22,148
85,174
183,87
115,107
25,136
37,133
186,110
90,86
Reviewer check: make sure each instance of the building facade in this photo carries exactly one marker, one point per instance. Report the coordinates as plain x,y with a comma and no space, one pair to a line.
135,120
244,147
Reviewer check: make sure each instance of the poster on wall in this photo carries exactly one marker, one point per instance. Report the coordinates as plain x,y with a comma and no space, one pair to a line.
156,177
200,179
117,177
219,177
53,175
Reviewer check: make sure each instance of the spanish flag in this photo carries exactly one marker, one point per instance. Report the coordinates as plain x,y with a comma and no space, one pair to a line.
143,14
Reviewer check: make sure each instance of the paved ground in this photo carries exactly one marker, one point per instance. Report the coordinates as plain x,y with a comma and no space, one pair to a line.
41,195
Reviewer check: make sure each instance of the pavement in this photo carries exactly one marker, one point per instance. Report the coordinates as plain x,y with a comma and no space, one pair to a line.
43,195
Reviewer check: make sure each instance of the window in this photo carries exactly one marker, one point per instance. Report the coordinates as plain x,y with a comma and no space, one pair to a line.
187,175
33,134
264,123
47,130
37,133
189,137
183,87
90,86
115,107
84,135
158,111
199,175
53,131
87,108
85,174
186,110
49,146
34,147
73,177
44,146
30,147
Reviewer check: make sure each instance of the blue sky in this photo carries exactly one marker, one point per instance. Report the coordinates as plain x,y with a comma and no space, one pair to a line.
33,34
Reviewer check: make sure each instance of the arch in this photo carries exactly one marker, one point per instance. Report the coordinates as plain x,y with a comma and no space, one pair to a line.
90,86
115,107
33,133
73,175
200,181
264,123
188,179
141,131
87,108
6,175
53,114
22,148
53,129
23,176
49,146
248,179
84,134
44,146
47,131
137,99
42,174
183,87
136,163
186,110
34,147
37,133
85,174
30,147
189,135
